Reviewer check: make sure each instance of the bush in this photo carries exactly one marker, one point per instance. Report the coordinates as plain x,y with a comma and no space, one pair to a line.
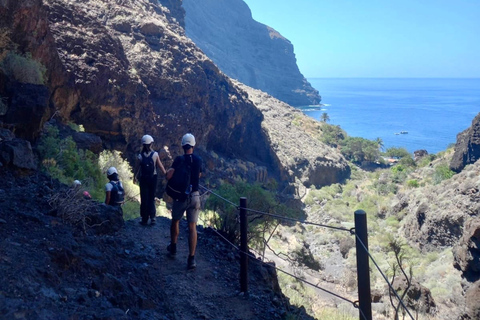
398,153
413,183
442,172
23,68
332,135
63,161
359,149
226,218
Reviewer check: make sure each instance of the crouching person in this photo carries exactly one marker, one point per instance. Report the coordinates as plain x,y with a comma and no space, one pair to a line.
114,193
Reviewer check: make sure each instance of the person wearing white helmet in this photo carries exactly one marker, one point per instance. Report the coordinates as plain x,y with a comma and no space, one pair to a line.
146,171
114,193
187,168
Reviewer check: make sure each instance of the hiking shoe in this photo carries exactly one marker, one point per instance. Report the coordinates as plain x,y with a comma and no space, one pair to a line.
191,264
152,221
172,249
143,223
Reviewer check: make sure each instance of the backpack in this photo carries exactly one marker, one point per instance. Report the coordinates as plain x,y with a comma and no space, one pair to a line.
179,183
117,196
147,164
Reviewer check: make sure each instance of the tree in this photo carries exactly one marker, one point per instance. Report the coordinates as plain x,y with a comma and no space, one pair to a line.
380,144
398,152
359,149
324,117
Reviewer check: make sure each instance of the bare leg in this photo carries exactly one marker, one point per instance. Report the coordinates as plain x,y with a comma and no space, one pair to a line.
192,237
174,231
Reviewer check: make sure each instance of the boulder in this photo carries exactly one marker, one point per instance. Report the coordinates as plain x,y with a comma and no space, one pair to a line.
467,147
467,251
88,141
419,154
473,305
17,153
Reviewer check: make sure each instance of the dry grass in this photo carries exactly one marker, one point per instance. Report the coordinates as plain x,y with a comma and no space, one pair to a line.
72,207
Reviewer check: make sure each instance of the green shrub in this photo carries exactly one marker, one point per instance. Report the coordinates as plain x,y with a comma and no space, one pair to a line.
425,161
359,149
63,161
24,69
226,218
413,183
442,172
398,152
332,135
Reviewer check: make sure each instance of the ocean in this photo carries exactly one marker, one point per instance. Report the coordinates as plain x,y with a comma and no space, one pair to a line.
431,111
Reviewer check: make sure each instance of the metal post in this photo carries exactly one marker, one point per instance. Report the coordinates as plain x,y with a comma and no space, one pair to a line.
243,246
363,269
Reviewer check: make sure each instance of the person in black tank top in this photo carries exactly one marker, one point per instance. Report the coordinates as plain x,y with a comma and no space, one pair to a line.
146,171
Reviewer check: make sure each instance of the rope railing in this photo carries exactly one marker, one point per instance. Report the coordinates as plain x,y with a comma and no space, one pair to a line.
384,277
360,244
301,221
263,263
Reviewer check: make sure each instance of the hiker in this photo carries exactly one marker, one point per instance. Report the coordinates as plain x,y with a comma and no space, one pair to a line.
147,169
182,187
114,193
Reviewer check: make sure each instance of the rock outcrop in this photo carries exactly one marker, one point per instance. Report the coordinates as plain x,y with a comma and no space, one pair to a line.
123,70
247,50
467,147
303,159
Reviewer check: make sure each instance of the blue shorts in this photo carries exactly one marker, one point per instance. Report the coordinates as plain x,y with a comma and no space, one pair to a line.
191,206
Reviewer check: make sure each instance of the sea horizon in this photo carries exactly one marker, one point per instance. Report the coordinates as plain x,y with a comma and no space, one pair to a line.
431,110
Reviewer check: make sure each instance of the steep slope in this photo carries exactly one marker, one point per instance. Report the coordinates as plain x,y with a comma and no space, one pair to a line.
247,50
52,270
125,69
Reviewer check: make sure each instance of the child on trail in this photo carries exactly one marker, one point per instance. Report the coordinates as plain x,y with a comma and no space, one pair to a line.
114,193
147,168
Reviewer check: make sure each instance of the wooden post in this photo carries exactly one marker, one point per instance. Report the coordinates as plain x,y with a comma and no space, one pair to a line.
363,269
243,246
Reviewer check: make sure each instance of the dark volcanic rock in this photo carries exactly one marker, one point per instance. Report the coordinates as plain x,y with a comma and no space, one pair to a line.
247,50
467,147
467,251
18,153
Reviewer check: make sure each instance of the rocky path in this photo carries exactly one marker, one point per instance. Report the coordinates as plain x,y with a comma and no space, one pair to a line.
51,270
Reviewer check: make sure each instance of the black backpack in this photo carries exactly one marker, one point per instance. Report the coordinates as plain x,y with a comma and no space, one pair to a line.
179,183
117,195
148,166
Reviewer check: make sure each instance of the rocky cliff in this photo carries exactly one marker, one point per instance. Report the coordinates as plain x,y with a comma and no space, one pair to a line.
467,147
247,50
122,70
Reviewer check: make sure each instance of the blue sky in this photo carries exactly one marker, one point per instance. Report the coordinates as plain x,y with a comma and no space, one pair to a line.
378,38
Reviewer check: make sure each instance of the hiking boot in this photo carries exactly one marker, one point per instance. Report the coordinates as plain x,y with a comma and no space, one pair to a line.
153,221
143,222
172,249
191,264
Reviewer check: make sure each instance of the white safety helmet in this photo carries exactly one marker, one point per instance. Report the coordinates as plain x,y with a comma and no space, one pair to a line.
77,183
147,139
188,139
111,171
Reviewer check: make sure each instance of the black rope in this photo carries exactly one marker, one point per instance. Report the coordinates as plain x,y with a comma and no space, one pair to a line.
354,304
384,277
296,220
219,196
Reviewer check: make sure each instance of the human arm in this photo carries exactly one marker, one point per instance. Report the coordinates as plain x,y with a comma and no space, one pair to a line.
107,197
169,173
160,165
136,171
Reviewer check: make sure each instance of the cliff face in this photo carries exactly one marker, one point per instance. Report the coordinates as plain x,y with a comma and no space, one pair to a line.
467,147
125,69
246,50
